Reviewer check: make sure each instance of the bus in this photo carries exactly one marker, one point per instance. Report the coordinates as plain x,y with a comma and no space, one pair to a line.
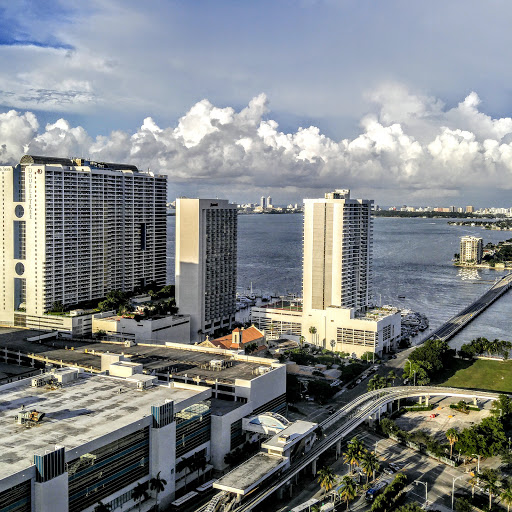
372,493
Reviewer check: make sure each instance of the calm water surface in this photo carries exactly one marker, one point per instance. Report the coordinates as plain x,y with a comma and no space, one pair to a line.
412,258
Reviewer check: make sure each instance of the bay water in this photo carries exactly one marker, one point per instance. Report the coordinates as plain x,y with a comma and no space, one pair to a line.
412,267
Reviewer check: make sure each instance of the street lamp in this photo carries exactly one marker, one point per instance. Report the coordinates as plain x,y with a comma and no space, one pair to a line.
453,487
426,491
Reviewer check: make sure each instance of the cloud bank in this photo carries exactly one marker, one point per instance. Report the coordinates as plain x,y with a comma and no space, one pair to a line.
408,142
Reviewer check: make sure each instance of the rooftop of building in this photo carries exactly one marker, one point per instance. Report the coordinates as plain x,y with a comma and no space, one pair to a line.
284,305
290,435
377,313
76,413
177,359
248,335
249,474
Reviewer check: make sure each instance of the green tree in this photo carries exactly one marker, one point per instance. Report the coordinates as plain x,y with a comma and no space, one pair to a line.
157,484
463,505
377,382
326,478
369,463
506,493
491,482
416,373
353,453
473,482
452,434
502,407
348,489
139,493
312,331
410,507
391,376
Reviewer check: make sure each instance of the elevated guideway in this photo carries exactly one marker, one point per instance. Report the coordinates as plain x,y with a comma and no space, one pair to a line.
460,320
341,424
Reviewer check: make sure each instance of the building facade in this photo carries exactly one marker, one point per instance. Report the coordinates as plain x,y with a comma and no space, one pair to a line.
206,263
471,249
338,241
74,230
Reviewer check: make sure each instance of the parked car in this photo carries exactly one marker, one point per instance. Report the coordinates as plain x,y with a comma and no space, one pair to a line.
389,470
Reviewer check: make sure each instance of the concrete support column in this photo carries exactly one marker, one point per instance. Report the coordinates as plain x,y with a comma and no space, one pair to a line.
291,490
420,400
313,467
475,401
280,493
338,449
427,398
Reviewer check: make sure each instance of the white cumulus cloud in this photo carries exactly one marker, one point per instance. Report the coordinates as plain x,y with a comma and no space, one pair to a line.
410,143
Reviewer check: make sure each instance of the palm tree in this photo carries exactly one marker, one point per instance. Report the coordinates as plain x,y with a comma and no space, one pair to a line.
302,339
506,493
354,451
452,434
391,376
473,481
326,478
348,490
139,493
157,484
369,463
102,507
491,480
312,331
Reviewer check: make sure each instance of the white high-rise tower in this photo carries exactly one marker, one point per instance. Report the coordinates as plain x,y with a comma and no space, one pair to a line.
206,262
75,230
337,267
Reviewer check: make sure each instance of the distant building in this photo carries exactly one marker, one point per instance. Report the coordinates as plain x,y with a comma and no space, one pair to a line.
238,339
471,249
470,209
269,202
206,263
263,202
75,230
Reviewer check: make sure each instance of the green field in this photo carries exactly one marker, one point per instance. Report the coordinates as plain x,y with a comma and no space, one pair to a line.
482,374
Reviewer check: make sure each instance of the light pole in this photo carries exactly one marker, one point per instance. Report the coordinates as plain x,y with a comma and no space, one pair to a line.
426,491
453,487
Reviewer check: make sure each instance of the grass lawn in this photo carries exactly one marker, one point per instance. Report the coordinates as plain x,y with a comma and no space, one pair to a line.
482,374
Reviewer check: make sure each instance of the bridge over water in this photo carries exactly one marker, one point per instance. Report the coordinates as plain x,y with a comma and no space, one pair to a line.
340,425
460,320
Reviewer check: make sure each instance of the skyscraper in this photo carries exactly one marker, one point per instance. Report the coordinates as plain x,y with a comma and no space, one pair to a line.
263,201
73,230
269,202
337,267
206,263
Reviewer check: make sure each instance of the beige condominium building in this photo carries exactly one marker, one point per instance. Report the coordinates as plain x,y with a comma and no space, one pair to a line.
206,263
73,230
336,312
471,249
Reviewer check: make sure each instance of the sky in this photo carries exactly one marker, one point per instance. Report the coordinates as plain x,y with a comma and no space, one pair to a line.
404,102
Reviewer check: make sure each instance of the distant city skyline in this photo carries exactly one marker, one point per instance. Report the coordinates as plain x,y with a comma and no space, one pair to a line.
376,100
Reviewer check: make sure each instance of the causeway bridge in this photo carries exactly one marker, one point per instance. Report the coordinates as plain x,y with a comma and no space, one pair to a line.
341,424
460,320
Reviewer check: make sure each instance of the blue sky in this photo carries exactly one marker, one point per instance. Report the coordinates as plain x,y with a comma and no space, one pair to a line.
103,66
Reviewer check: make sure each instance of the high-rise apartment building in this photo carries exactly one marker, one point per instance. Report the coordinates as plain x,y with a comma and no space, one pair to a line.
263,201
470,209
269,202
73,230
336,311
206,263
471,249
337,252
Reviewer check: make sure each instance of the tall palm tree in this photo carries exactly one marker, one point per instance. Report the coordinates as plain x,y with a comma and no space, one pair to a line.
157,484
348,490
452,434
312,331
354,450
326,478
391,376
139,493
491,480
473,481
369,463
506,493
